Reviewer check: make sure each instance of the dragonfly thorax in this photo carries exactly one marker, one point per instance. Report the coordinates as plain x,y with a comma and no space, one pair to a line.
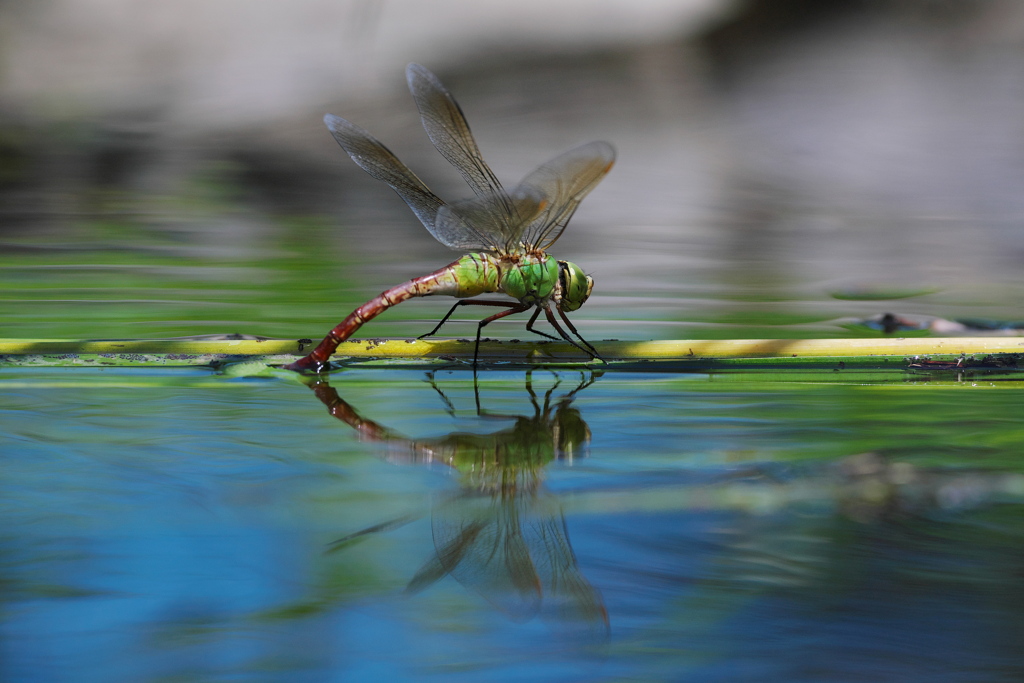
534,278
530,278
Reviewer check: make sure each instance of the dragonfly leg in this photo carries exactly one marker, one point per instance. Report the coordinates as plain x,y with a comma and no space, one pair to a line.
512,309
533,319
589,350
572,328
486,302
449,406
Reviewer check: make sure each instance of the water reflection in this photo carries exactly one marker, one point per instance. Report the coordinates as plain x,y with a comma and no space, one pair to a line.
503,534
171,525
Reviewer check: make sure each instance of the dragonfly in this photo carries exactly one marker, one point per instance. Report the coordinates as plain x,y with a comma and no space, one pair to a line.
506,233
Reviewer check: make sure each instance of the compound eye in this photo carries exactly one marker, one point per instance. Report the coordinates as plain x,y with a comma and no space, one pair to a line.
576,286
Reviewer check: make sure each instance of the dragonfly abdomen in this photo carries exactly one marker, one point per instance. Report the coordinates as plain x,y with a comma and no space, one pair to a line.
471,275
477,273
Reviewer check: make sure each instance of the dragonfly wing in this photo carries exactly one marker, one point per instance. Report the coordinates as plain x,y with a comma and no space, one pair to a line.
373,157
568,596
564,181
460,233
447,128
483,222
479,543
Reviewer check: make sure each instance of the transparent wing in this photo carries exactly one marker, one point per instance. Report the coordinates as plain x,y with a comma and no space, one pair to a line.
447,128
479,542
377,160
568,596
564,181
485,222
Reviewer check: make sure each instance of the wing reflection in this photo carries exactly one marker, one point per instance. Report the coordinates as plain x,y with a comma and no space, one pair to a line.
503,534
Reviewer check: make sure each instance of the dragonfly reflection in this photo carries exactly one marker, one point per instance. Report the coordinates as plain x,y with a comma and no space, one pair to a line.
503,534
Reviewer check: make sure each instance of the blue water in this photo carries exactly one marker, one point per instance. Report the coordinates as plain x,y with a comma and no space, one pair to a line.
181,525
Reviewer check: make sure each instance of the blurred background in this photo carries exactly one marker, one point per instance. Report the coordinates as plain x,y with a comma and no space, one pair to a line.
784,168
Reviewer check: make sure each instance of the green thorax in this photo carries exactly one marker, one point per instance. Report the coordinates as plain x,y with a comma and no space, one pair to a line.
530,279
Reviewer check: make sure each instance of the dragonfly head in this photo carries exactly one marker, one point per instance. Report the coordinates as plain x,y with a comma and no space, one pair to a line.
575,285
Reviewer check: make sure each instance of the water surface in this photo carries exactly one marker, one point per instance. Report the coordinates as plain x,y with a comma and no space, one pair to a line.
178,524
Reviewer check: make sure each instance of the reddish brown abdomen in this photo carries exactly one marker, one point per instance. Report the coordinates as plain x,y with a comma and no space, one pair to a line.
471,275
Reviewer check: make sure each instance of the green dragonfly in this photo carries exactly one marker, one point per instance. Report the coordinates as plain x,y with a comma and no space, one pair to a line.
506,233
